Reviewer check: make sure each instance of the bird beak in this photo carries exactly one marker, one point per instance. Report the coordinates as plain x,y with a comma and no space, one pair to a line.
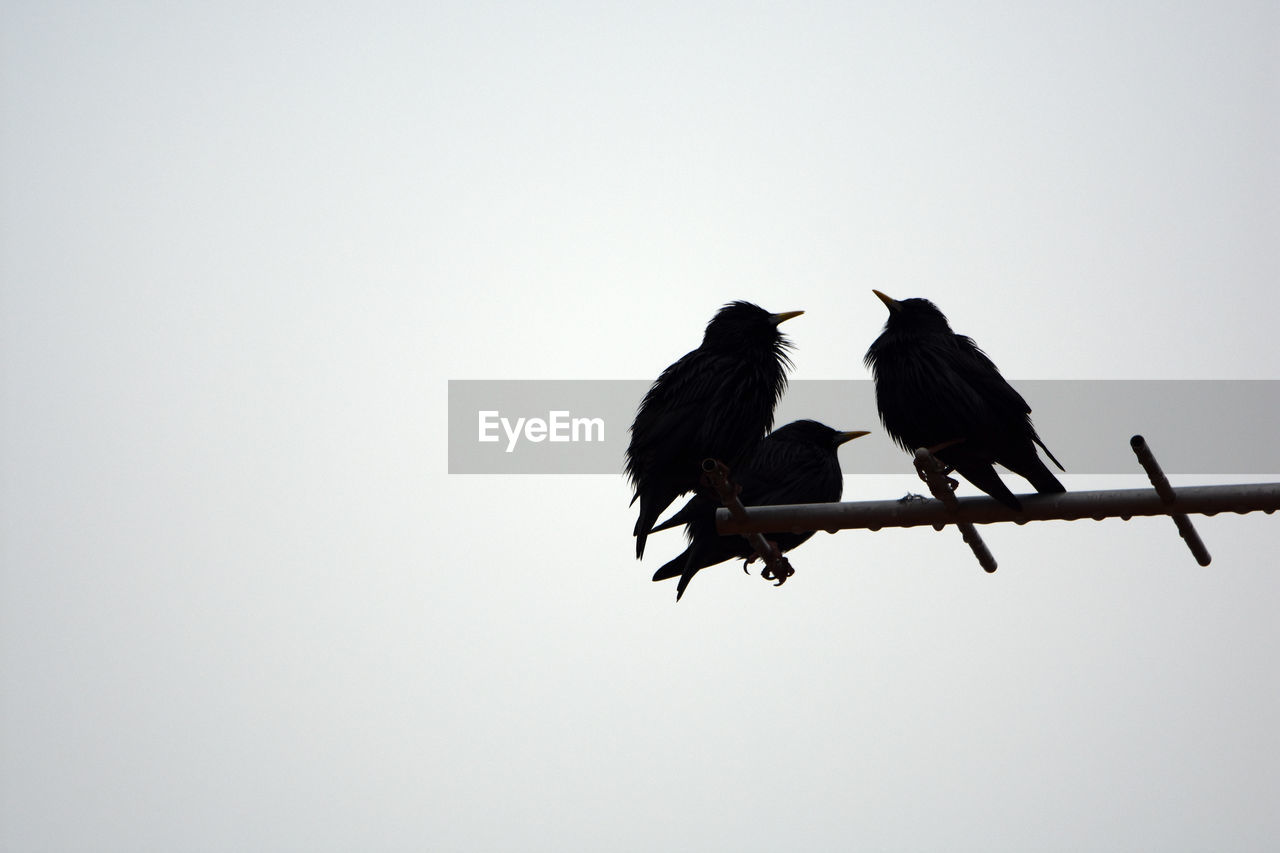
784,316
889,301
842,437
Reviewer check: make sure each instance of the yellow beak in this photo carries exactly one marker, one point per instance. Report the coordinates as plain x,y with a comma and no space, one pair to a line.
889,301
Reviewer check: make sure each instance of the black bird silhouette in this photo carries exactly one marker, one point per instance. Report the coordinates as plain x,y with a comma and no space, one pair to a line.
716,401
795,464
936,389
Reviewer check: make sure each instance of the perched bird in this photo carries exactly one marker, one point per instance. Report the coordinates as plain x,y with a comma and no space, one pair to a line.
716,401
795,464
936,389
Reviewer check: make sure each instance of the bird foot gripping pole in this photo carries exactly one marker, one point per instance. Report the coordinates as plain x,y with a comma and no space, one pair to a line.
934,473
1161,483
776,567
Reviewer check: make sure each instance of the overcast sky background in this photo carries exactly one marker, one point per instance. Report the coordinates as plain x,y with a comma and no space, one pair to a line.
244,247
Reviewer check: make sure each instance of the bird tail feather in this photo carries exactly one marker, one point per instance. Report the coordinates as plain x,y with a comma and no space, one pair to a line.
1049,453
673,521
684,582
1043,479
672,568
683,567
644,523
986,478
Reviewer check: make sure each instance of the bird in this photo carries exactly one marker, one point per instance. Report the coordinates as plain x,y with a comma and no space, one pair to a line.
937,389
714,402
794,464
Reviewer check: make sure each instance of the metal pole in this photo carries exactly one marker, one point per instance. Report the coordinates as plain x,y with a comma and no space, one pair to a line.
1185,528
1068,506
776,566
933,473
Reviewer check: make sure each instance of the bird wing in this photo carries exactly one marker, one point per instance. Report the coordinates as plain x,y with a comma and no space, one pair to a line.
981,374
783,472
1008,408
668,414
690,409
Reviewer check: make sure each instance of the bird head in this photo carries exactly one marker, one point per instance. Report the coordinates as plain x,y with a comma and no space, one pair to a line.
917,315
813,432
740,325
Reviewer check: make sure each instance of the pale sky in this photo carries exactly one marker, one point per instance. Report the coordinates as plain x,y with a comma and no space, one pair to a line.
243,248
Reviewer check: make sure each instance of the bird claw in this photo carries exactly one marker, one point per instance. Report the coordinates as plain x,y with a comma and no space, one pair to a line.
777,567
779,572
924,477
